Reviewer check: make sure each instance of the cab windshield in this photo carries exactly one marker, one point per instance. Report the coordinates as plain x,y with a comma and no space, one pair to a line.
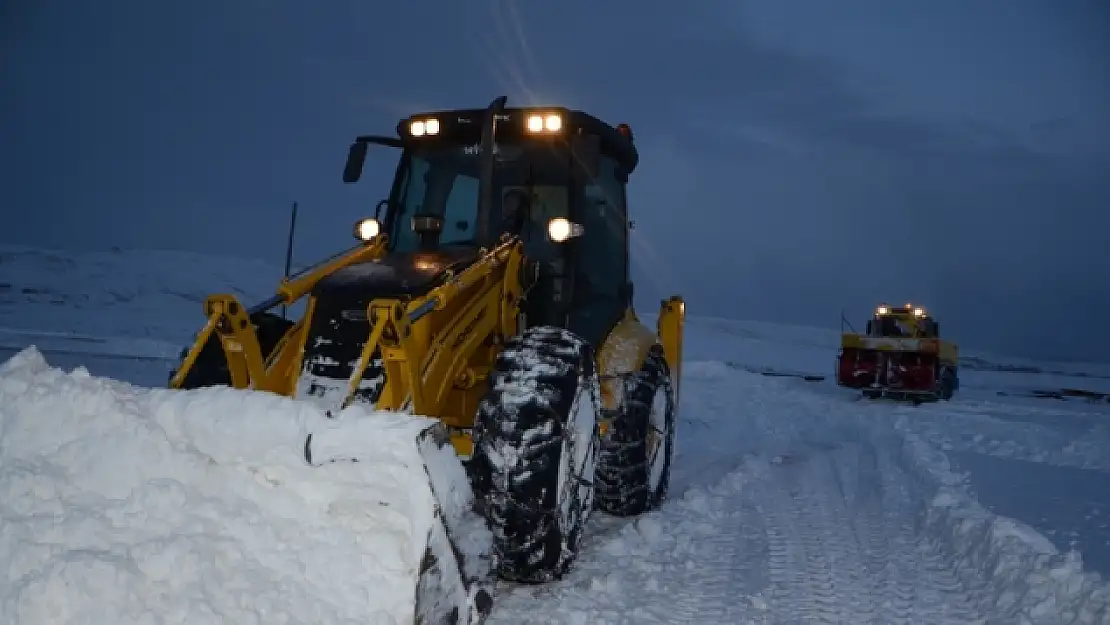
442,180
898,326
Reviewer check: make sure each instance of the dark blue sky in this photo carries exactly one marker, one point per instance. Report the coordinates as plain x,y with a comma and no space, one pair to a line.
797,157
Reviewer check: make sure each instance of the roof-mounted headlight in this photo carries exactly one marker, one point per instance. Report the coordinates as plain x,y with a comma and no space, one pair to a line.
367,229
422,127
537,122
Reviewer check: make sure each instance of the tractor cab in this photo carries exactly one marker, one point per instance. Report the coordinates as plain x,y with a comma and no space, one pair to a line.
553,177
910,322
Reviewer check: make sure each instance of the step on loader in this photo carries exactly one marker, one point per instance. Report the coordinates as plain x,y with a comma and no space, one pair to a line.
900,356
491,292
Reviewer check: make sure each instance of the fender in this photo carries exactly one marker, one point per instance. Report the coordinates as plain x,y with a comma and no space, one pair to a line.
672,327
622,352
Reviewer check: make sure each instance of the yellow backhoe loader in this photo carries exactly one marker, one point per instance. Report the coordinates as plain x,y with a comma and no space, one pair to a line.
491,292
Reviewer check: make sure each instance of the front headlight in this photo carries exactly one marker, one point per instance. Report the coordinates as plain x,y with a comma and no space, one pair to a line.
560,229
367,229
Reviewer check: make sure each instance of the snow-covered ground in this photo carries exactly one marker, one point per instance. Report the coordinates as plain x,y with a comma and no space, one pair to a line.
131,295
792,501
129,505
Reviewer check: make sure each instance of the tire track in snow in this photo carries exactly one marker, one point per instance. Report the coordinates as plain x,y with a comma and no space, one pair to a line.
699,560
845,543
816,577
725,563
888,519
879,549
925,576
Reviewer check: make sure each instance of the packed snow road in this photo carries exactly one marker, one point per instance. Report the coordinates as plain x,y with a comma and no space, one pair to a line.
827,535
828,529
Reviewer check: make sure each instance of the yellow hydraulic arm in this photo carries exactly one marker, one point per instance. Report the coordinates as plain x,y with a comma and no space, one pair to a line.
231,321
423,365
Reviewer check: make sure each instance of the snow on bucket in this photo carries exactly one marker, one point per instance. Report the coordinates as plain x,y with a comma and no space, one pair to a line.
121,504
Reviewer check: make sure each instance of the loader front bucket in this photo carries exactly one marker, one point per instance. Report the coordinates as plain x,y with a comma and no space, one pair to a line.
454,581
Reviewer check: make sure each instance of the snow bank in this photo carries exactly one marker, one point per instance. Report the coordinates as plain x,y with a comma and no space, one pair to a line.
127,505
1027,579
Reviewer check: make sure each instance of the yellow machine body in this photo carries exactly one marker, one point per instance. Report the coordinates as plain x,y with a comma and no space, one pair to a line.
901,355
437,349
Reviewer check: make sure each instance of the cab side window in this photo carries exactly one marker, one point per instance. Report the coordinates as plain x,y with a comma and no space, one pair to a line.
459,210
600,274
601,248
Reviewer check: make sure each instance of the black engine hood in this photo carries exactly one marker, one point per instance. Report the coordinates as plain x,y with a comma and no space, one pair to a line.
398,274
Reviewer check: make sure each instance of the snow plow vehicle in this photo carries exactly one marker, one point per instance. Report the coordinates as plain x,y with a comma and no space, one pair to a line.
901,356
490,292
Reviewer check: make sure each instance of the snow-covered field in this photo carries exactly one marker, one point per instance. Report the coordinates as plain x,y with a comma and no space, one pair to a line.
792,501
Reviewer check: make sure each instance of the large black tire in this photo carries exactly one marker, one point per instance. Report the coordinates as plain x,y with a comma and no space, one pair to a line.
946,385
210,367
536,443
634,468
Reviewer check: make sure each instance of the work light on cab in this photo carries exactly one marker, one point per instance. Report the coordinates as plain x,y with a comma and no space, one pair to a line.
545,123
561,229
367,229
421,127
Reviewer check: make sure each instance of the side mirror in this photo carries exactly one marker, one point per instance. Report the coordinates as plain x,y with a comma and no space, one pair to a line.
356,157
378,209
586,150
